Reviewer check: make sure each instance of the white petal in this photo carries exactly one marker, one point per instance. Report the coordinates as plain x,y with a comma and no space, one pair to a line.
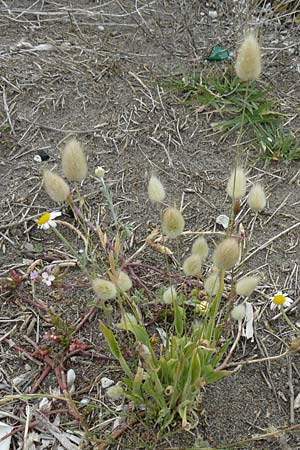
51,277
45,275
45,226
55,214
52,223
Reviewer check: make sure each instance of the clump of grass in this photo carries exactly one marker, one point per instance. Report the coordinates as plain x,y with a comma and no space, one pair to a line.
224,93
277,144
165,375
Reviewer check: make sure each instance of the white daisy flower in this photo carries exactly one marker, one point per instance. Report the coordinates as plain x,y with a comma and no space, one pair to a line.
281,299
47,220
47,278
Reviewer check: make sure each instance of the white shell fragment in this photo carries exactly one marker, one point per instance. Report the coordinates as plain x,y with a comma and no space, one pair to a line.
223,220
297,402
213,14
70,379
5,429
106,382
248,331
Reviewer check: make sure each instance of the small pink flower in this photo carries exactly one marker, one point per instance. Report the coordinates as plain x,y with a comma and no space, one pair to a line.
34,274
47,278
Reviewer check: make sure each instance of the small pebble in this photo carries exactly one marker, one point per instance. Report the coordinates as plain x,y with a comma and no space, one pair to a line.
213,14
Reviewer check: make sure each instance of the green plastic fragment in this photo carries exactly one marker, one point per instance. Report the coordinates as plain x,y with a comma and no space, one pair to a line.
219,53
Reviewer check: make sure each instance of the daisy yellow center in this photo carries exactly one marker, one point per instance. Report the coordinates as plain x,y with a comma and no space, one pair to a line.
44,219
279,299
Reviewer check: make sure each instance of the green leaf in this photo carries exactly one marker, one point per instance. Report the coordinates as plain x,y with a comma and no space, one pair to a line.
196,371
110,339
210,375
141,334
178,318
114,348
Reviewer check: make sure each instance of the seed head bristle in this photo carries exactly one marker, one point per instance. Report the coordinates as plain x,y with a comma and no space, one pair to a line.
236,186
226,254
55,186
245,286
248,62
156,191
200,247
257,198
192,265
172,222
74,161
104,289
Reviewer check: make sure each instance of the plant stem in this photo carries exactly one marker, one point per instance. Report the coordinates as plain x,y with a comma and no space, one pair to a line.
69,246
236,162
289,321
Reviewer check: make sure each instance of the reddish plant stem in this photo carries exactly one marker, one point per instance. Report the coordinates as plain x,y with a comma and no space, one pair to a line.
17,430
176,277
40,379
88,354
39,305
140,282
34,423
85,319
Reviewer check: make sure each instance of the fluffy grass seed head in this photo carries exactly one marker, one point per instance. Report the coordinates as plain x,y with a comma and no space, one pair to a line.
124,281
226,254
248,62
200,247
172,222
55,186
245,286
257,197
156,191
236,186
212,284
104,289
169,295
192,265
115,392
74,161
238,312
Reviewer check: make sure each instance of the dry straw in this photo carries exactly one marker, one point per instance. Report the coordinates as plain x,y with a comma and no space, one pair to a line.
257,198
172,222
248,63
55,186
236,186
74,161
156,190
226,254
